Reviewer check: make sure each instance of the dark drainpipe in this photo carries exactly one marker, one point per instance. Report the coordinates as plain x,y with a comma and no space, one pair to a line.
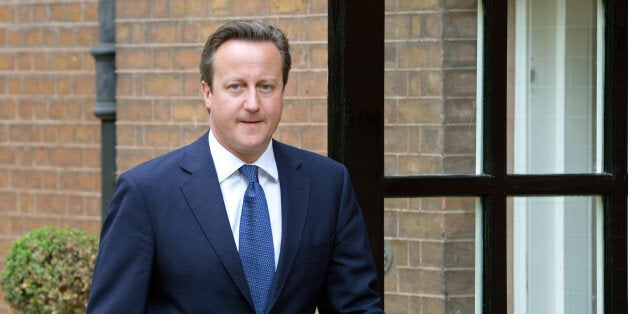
105,54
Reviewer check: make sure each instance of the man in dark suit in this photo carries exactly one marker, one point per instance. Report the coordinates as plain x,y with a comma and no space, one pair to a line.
178,236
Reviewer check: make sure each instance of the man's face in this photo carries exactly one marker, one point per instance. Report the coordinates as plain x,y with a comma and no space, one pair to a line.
245,101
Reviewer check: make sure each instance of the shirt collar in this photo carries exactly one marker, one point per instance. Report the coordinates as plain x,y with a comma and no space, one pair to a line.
227,163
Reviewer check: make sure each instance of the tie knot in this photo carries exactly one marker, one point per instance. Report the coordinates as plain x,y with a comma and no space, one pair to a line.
250,172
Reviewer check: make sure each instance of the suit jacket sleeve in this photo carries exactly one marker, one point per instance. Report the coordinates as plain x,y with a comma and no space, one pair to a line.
351,284
123,268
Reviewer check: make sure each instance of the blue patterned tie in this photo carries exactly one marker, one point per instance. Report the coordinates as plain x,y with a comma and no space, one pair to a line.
256,240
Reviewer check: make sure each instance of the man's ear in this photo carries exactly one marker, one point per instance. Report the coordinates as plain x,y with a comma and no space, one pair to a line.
207,94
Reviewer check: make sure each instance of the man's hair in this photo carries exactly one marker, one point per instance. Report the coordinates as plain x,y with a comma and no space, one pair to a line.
243,30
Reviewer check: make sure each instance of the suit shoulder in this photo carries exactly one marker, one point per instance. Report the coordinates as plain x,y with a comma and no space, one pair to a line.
310,160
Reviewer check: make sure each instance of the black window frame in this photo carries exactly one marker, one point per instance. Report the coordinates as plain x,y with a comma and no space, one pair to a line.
356,138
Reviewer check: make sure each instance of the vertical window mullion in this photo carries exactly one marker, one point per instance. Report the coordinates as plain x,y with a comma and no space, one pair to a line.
615,137
494,103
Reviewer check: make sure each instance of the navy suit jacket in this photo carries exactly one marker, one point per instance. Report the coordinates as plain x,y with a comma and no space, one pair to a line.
167,247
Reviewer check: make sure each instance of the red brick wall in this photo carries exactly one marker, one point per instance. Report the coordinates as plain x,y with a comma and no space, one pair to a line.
158,50
430,82
49,139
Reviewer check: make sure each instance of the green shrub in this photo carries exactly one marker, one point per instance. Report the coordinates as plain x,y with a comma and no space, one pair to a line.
49,270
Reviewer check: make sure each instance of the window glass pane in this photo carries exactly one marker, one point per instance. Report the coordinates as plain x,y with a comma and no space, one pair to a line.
555,73
432,255
430,87
555,255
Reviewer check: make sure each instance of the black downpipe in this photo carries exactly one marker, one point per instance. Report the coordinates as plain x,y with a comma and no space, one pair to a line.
105,55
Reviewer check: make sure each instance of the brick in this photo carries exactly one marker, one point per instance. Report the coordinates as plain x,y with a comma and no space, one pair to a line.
63,85
318,30
38,12
412,5
460,53
318,57
65,61
460,25
7,156
192,86
14,38
91,11
420,111
8,202
459,254
463,304
431,25
391,223
56,12
162,110
429,305
421,225
6,13
164,33
161,137
459,225
430,83
295,29
190,33
287,6
459,164
85,84
460,83
186,58
460,4
420,55
220,7
78,181
294,112
73,12
319,6
86,36
460,282
427,140
460,140
8,110
395,139
397,26
160,8
162,59
4,178
24,62
409,165
313,84
460,111
188,111
246,7
314,139
318,111
7,62
66,37
163,85
182,8
421,281
397,303
134,58
132,8
32,37
395,83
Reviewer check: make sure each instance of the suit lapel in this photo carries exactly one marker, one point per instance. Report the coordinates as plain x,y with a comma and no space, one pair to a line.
202,192
295,194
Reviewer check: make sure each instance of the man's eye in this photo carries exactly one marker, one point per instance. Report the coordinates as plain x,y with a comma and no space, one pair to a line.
266,87
233,87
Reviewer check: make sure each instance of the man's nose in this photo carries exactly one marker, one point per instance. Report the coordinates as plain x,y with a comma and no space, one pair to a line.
251,101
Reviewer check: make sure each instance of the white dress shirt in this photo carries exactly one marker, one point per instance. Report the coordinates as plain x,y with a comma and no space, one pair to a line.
233,184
